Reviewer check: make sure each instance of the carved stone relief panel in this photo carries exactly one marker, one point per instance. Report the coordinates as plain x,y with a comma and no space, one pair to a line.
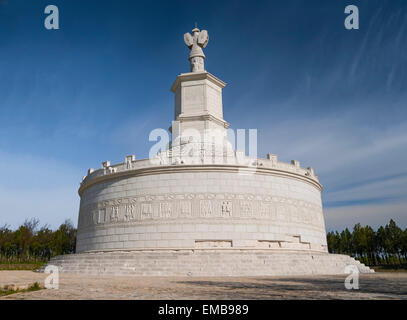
114,214
268,211
165,210
246,209
226,208
185,210
130,212
206,208
102,215
146,211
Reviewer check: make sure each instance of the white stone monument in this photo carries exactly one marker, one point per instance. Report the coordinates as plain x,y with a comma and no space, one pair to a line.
199,207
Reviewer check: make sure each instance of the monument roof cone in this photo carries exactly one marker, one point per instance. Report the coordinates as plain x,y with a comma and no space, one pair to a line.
198,204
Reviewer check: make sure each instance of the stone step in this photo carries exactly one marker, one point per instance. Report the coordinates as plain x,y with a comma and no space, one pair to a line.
204,263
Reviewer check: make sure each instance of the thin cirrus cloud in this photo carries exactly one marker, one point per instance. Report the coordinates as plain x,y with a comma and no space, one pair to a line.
360,167
339,218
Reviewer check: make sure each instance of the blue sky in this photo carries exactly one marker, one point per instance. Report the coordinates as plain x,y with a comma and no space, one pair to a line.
92,91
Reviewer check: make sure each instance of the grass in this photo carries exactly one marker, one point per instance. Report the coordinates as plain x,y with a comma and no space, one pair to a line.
7,290
21,266
390,268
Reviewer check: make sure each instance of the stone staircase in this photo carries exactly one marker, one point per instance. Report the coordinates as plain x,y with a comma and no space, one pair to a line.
205,263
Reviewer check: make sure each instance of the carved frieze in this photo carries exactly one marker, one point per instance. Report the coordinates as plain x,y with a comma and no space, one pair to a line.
201,205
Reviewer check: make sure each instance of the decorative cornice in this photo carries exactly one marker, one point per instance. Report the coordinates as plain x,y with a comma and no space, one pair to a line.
206,116
194,76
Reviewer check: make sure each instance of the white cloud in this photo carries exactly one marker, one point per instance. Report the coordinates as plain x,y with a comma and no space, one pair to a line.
333,143
374,215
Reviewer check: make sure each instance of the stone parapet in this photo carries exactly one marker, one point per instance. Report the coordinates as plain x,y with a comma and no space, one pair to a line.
156,165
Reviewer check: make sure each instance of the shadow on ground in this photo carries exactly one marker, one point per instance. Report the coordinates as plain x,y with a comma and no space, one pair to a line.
370,287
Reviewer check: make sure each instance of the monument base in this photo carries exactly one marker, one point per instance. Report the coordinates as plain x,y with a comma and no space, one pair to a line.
205,263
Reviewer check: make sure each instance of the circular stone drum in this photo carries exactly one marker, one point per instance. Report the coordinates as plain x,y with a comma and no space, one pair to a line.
140,206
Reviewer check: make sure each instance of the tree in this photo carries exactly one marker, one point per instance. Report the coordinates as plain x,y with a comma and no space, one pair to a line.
388,244
7,248
29,244
65,239
382,244
403,247
346,242
394,238
42,243
359,241
371,245
330,239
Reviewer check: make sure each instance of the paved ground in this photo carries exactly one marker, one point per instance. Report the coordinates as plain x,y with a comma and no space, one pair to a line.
372,286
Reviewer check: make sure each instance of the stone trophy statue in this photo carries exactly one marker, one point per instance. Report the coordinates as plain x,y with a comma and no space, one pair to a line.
195,43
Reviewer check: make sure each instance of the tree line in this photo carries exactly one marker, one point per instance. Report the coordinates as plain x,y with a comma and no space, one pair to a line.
29,243
385,246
